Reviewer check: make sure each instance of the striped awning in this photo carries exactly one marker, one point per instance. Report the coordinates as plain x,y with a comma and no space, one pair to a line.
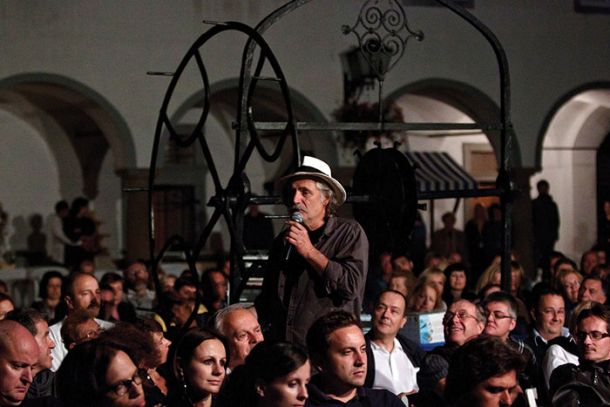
437,172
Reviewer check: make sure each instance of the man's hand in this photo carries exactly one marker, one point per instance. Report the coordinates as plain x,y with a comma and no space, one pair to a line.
297,235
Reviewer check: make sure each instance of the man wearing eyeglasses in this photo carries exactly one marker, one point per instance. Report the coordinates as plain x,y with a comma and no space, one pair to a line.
588,383
463,321
501,310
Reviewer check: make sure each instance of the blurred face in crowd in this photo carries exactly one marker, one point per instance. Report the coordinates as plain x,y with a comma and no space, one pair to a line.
496,391
550,316
425,299
17,360
460,322
86,294
592,290
591,349
571,286
87,331
243,332
45,344
205,371
289,390
436,280
399,284
499,320
124,382
162,344
54,289
117,288
219,282
457,280
136,274
389,315
6,306
345,365
588,262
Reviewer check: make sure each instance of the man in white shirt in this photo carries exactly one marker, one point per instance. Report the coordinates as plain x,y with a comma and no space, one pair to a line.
83,292
393,359
59,240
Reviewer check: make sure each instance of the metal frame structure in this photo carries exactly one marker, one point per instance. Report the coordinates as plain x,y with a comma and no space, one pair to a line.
230,201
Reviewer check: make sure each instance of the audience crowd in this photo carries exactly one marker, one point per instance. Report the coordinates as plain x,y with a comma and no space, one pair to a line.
117,342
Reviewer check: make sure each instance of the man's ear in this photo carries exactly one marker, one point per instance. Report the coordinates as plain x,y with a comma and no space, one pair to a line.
260,388
69,303
403,322
533,314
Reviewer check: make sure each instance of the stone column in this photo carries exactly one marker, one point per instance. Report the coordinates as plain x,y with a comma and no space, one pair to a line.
134,184
523,232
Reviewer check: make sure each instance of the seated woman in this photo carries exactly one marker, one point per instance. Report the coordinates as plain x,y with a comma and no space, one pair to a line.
455,284
198,367
96,373
425,298
275,375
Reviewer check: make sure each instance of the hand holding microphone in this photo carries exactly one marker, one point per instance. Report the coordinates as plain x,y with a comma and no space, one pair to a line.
296,217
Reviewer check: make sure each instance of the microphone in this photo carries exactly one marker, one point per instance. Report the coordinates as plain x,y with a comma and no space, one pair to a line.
297,217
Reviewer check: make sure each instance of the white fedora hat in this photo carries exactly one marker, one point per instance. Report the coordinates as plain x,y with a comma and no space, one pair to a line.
318,170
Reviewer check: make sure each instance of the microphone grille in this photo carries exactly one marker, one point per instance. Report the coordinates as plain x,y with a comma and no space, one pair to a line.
297,217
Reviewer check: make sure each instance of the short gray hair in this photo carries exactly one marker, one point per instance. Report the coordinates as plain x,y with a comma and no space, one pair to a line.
223,313
328,193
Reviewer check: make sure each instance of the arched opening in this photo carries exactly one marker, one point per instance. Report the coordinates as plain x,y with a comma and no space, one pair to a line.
82,142
440,100
573,157
186,170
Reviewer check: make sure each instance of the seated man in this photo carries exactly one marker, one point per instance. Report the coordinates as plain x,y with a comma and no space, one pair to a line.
593,288
239,325
35,323
484,372
18,355
589,383
337,349
393,360
463,321
501,309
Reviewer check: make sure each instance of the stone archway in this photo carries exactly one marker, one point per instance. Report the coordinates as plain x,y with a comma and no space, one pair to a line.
569,141
88,141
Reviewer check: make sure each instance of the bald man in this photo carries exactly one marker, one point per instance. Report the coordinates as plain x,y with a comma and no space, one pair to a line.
18,355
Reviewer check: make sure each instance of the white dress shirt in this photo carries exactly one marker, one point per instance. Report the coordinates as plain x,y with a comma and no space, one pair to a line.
393,370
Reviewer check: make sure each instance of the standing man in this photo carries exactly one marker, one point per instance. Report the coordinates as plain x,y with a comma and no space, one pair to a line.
316,264
449,240
83,292
18,355
393,360
59,240
338,351
546,224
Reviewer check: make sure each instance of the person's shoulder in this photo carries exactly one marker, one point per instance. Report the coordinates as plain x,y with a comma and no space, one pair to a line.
381,397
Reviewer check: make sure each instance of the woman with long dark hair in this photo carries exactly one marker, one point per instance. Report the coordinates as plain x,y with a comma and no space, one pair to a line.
275,375
198,367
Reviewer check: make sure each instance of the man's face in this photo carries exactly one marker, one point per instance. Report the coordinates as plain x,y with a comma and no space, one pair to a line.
45,344
136,274
499,320
86,295
399,284
243,332
219,282
389,315
589,262
594,350
550,316
16,364
87,331
496,391
461,324
345,363
307,198
591,290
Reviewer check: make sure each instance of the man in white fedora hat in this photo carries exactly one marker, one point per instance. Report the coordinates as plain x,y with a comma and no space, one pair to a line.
318,262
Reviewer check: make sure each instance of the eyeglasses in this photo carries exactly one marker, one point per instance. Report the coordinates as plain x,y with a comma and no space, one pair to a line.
595,335
122,388
461,314
498,315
